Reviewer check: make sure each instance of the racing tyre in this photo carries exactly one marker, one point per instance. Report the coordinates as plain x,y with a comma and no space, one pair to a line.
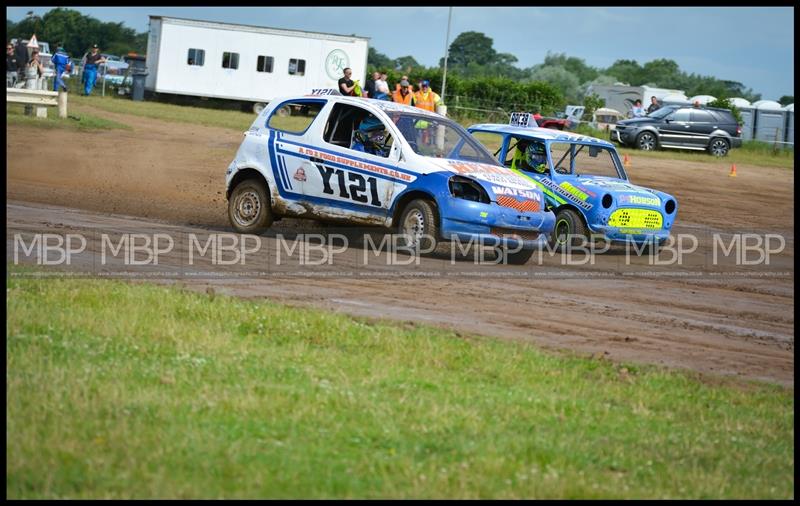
521,257
718,146
419,222
646,141
569,224
249,208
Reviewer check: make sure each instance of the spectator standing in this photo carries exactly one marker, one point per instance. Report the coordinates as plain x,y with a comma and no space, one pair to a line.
369,87
653,105
346,85
34,71
22,59
11,66
426,98
637,111
91,61
382,88
61,62
402,94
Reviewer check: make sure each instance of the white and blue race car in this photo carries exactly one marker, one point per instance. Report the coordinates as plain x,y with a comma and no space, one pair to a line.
584,183
370,162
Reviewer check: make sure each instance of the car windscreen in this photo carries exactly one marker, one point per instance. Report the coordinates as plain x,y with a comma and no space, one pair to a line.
661,113
584,160
440,137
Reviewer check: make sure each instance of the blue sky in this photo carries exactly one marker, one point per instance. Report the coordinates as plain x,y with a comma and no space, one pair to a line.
752,45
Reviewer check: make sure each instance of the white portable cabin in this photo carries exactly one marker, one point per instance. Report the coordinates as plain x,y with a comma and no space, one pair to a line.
246,63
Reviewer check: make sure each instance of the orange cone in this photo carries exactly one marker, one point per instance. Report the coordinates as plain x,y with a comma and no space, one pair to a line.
733,170
626,161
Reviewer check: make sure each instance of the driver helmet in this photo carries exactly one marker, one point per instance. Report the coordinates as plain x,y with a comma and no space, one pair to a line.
372,134
536,157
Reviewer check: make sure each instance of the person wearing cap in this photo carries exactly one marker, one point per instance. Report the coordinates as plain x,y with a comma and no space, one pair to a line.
426,98
61,62
403,95
90,62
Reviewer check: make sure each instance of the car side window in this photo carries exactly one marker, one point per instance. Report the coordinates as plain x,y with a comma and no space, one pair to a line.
679,115
701,117
355,128
295,116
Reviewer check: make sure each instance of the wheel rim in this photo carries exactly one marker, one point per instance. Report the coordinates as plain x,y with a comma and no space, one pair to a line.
562,231
247,208
414,225
647,142
719,147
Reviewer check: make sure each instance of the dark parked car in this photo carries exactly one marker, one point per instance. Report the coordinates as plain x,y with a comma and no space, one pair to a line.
682,127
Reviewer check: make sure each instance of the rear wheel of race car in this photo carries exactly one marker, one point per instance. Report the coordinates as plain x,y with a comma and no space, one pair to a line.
718,146
249,208
569,225
646,141
419,223
258,107
520,257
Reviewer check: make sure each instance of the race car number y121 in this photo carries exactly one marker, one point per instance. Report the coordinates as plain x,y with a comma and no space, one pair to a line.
357,187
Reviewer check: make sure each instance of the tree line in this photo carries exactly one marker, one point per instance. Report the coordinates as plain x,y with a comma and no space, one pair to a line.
473,57
476,71
77,32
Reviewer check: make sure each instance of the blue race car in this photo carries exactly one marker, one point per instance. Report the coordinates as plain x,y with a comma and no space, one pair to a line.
584,183
373,162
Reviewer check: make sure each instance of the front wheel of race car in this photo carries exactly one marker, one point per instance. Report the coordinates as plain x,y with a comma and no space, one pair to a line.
569,228
249,208
419,223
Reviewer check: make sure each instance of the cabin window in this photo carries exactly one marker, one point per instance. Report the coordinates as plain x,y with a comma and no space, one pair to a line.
230,60
196,57
295,116
264,64
297,67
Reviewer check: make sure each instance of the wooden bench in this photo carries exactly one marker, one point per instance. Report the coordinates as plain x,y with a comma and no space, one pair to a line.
39,98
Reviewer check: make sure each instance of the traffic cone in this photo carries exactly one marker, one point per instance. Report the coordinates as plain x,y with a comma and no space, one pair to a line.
626,161
733,170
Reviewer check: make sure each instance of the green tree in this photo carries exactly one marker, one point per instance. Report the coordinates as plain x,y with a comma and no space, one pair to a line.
786,100
560,78
725,103
406,63
470,47
592,102
628,71
378,61
576,66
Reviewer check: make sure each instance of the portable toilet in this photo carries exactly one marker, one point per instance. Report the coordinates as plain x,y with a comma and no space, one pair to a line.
770,124
790,124
747,112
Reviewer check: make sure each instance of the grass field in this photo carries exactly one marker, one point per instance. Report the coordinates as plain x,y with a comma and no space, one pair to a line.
76,119
234,120
118,390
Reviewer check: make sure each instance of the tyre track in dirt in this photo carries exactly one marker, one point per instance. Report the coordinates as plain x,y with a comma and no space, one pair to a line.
170,176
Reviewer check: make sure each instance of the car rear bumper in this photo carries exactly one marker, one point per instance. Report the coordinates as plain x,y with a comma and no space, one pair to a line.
736,142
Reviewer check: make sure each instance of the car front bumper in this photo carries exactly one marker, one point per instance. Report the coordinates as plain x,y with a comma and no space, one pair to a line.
631,235
492,224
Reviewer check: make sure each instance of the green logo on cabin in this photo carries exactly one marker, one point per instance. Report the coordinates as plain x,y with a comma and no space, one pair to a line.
335,63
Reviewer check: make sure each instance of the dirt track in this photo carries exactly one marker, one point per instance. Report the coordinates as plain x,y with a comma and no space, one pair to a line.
167,176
